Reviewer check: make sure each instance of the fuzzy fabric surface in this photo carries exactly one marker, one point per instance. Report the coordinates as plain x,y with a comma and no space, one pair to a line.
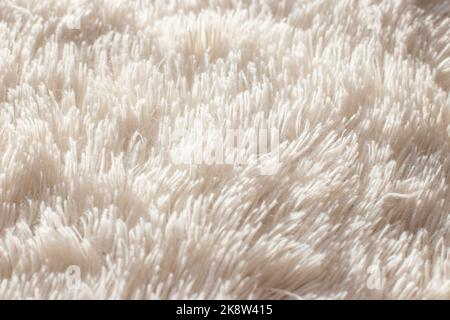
93,206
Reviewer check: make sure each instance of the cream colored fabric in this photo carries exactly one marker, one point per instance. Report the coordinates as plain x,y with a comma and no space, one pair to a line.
359,91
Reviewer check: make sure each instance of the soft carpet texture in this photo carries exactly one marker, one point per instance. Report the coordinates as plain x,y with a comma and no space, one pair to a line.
359,91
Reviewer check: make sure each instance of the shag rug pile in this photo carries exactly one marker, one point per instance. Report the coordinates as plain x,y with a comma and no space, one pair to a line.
92,204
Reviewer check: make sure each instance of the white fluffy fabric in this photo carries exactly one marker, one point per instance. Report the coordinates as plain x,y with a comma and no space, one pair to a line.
359,91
